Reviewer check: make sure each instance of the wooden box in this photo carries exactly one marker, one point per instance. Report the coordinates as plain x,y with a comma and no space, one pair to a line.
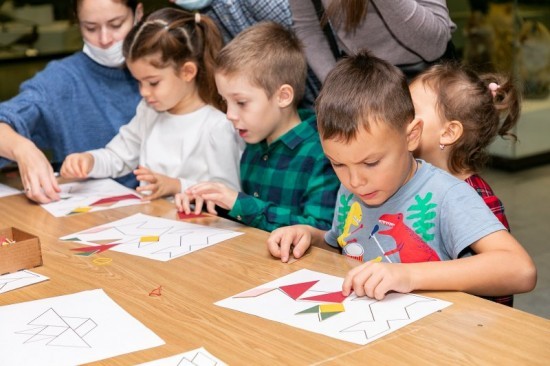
25,253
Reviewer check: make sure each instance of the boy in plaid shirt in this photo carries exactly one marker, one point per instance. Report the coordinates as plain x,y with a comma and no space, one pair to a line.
285,177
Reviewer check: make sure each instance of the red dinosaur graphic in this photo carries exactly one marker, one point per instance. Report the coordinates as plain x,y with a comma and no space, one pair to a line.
411,248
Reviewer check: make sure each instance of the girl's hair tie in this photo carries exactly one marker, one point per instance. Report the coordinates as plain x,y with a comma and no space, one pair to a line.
197,18
493,87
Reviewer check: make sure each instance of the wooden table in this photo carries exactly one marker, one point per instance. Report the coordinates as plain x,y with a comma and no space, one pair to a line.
471,331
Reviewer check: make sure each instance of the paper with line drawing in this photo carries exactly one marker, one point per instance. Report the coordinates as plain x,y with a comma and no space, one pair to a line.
152,237
70,330
313,301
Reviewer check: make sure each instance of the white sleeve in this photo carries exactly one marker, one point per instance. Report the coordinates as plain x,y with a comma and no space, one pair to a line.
121,155
222,156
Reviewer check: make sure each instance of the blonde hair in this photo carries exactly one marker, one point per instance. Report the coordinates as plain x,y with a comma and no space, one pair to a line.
270,55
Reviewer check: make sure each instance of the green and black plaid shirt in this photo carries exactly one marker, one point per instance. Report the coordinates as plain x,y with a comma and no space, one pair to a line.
287,182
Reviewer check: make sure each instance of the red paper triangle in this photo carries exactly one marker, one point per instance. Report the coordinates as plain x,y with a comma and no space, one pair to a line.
115,199
96,248
298,289
330,297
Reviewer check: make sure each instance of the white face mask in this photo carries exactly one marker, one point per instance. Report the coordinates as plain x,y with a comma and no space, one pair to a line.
193,4
109,57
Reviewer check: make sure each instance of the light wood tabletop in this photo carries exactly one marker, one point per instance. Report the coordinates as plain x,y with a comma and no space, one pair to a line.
471,331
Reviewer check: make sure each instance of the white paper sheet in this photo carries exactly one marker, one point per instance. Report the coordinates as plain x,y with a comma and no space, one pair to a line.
70,330
7,190
12,281
359,320
152,237
197,357
87,196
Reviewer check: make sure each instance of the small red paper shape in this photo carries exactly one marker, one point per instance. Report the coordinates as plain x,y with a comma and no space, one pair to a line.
184,216
156,292
330,297
298,289
115,199
96,248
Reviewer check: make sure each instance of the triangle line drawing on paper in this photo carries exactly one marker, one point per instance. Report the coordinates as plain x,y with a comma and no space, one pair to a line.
58,330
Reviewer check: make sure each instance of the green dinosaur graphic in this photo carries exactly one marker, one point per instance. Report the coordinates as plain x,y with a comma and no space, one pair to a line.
423,217
343,210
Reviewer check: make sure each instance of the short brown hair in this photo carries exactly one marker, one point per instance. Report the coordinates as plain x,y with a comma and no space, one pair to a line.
270,55
360,90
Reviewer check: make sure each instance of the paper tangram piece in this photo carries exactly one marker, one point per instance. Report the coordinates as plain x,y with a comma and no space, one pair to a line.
324,311
184,216
107,200
254,292
330,297
91,195
94,249
297,290
148,239
80,210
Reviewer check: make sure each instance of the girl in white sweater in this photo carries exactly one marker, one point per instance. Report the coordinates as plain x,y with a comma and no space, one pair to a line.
178,136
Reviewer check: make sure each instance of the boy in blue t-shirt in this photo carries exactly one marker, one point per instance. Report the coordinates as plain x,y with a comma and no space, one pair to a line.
405,219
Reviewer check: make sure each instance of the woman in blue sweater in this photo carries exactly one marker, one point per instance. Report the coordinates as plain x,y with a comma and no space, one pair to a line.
74,104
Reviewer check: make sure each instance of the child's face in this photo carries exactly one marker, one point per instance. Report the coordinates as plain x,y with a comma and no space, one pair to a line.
424,100
375,164
164,89
255,116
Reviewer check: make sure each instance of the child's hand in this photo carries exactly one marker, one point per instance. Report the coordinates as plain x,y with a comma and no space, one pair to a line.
77,165
376,279
158,185
282,241
213,194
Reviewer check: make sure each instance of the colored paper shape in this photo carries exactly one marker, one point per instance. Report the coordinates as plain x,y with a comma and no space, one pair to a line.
324,311
96,248
184,216
114,199
148,239
254,292
80,210
329,297
298,289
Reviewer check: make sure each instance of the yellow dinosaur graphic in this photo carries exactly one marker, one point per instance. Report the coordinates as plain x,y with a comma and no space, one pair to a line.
355,215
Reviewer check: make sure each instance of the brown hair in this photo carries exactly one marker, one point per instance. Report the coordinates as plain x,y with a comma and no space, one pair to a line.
464,96
270,55
360,90
349,12
178,36
132,4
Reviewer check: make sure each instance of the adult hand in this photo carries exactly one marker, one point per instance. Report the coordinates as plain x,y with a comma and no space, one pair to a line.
158,185
284,240
376,279
37,177
77,165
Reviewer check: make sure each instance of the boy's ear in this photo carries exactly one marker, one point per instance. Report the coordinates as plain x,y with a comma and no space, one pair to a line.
414,133
285,95
188,71
452,131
